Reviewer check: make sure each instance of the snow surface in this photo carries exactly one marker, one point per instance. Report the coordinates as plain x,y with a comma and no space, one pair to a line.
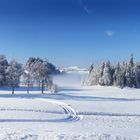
75,113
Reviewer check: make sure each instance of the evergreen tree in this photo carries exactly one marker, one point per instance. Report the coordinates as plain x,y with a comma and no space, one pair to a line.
91,68
119,76
125,75
137,72
93,78
101,73
107,77
130,73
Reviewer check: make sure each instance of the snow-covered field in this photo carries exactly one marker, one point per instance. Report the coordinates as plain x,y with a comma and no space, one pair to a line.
75,113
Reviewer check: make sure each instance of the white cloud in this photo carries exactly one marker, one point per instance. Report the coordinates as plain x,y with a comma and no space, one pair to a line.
84,6
109,33
87,10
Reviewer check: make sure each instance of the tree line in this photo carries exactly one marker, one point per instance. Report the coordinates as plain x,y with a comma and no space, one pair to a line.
36,71
125,74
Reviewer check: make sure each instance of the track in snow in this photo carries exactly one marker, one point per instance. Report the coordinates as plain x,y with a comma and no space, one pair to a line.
70,113
109,114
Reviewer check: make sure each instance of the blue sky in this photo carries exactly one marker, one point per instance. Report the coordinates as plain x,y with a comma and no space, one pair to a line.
70,32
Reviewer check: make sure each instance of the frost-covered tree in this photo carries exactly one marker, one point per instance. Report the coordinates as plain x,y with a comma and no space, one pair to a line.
101,73
130,76
93,77
14,72
137,72
28,73
3,67
91,68
39,70
119,76
107,75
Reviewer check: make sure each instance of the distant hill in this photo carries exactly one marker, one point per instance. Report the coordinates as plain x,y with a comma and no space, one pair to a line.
74,69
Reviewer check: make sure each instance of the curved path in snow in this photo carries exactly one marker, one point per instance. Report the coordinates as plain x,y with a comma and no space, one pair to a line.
69,113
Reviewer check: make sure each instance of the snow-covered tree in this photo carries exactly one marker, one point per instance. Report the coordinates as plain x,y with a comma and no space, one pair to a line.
3,67
14,72
101,73
27,73
130,76
107,75
119,76
93,77
39,70
91,68
137,72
